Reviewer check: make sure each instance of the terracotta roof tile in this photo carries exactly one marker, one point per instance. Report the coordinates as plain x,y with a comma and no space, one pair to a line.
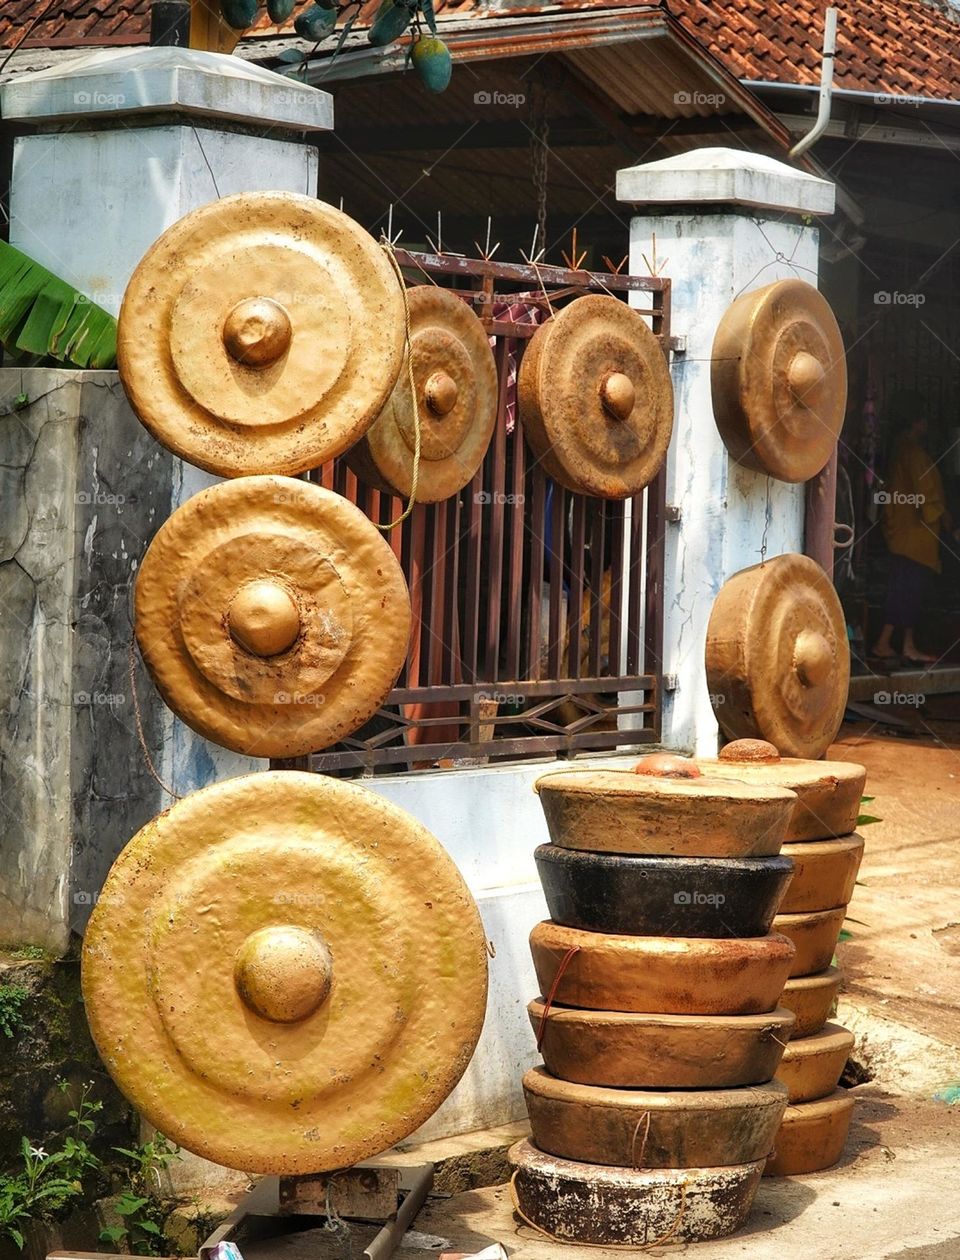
906,47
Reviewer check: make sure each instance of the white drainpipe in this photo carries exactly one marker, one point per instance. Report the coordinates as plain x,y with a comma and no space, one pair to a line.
826,86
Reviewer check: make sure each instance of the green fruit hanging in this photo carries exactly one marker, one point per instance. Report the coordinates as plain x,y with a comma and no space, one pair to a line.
280,10
315,23
239,14
391,21
432,62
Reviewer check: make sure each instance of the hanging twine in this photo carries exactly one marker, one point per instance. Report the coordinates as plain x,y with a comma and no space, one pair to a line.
388,249
137,718
565,963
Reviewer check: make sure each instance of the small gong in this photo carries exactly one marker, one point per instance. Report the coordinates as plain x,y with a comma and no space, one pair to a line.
272,615
596,399
285,973
456,381
777,656
261,334
779,380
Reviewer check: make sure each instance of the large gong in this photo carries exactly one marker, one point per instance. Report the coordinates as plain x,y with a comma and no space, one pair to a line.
456,391
285,973
261,333
272,615
779,380
777,656
596,399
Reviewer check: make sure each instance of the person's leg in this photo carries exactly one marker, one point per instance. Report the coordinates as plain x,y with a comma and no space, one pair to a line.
894,610
915,578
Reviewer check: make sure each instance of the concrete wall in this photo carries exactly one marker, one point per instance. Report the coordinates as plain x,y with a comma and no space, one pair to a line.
83,489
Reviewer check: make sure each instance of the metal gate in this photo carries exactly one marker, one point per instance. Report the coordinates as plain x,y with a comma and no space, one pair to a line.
537,612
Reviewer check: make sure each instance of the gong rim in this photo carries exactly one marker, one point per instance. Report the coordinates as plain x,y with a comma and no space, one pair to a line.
450,351
183,912
352,616
777,656
779,380
238,388
590,436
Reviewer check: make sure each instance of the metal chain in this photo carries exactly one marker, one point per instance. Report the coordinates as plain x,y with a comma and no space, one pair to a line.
539,143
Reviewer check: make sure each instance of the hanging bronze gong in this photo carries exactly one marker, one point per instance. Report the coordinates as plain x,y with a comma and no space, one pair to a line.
777,656
285,973
596,399
272,615
262,333
779,380
456,380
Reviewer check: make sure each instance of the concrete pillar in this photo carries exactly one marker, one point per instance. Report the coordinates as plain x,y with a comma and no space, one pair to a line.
118,146
726,222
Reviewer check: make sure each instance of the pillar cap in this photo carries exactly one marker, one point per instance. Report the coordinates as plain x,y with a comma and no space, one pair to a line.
730,177
118,84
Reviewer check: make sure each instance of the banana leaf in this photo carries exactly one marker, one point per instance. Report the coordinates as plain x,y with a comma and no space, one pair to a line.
41,315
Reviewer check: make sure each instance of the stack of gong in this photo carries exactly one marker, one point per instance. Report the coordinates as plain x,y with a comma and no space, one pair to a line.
658,1022
826,855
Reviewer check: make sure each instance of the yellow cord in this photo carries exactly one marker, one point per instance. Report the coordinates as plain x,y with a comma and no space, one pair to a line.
411,502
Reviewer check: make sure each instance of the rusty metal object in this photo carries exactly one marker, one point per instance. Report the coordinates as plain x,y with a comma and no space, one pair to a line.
653,1128
812,1066
812,1000
653,1051
596,398
365,1193
814,935
285,973
779,380
261,334
824,874
812,1136
828,792
777,656
660,974
616,811
585,1203
272,615
456,380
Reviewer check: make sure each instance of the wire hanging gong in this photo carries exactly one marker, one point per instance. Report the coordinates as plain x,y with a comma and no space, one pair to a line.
285,973
779,380
456,380
272,615
261,333
777,656
596,399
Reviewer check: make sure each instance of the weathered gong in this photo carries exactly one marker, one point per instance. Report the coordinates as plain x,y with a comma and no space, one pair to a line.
456,381
285,973
777,656
596,398
261,333
272,615
779,380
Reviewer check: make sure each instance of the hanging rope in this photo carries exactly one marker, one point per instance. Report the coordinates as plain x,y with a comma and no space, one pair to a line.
388,249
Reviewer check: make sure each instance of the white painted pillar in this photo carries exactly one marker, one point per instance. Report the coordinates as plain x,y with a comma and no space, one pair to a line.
123,144
726,222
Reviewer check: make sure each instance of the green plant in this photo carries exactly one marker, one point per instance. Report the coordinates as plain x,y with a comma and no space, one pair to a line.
864,820
26,953
12,997
138,1205
45,1183
41,315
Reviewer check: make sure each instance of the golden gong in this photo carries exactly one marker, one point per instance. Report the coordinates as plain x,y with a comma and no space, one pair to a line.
285,973
456,382
596,399
779,380
261,334
777,656
273,617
